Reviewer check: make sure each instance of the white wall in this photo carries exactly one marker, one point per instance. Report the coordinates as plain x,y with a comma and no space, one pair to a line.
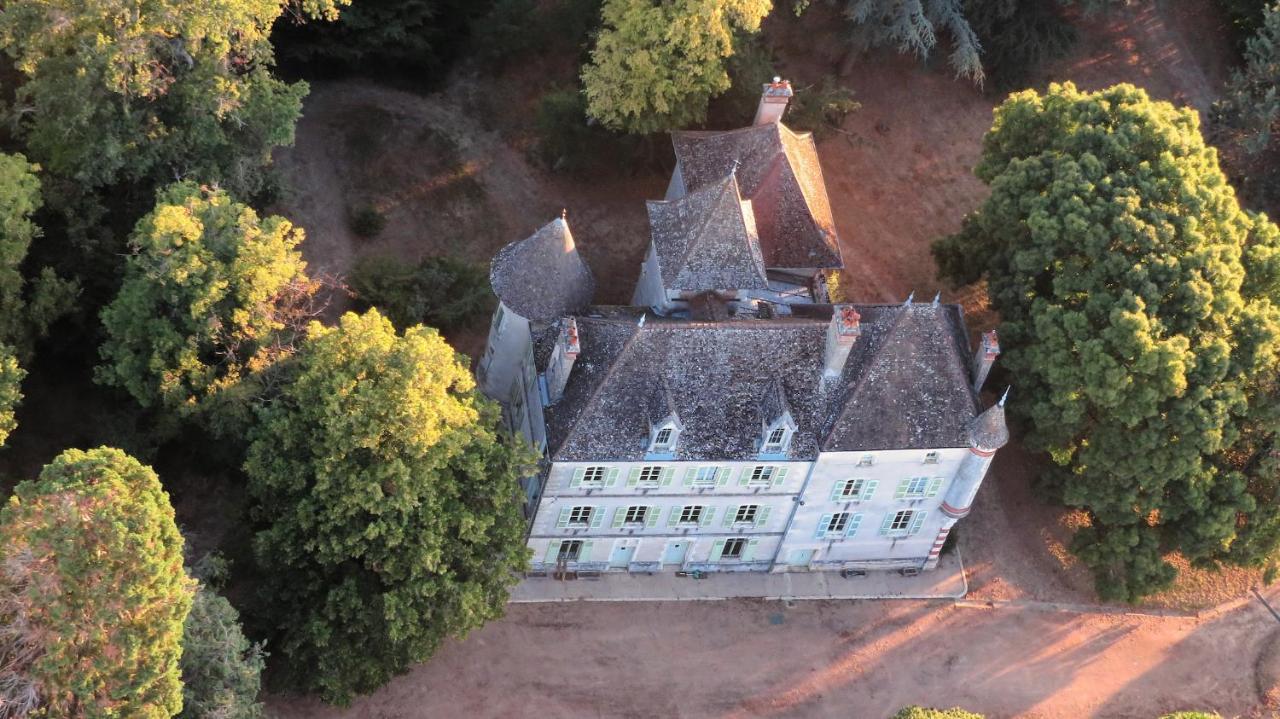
508,345
868,544
649,290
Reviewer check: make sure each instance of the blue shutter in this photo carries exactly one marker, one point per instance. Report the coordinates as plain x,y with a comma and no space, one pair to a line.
577,478
822,527
585,554
901,491
837,489
674,517
611,477
553,550
762,516
888,521
934,485
717,548
597,517
563,521
869,489
917,520
854,522
633,477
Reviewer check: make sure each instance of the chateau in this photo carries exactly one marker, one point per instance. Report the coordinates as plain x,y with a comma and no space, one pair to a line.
734,418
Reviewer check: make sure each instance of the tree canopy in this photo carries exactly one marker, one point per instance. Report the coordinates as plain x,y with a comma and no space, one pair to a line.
92,590
389,504
655,66
221,670
1139,322
210,293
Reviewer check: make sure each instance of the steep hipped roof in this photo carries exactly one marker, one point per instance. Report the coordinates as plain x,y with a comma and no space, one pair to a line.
706,240
722,376
905,385
778,170
542,277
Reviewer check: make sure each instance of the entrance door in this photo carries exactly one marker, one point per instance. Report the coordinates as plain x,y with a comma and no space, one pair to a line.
800,557
674,553
620,558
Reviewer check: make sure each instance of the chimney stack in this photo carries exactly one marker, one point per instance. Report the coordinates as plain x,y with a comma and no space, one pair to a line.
773,101
563,356
846,325
986,356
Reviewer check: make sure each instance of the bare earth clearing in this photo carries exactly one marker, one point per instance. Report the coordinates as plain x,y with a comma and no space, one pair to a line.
454,179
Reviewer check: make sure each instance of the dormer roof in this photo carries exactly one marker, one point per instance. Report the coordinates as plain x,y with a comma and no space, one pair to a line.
779,172
542,277
707,240
774,407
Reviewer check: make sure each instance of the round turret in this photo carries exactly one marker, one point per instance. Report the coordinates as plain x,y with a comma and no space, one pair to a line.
542,278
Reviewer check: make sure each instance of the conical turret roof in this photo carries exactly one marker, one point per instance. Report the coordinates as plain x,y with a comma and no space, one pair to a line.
988,430
542,277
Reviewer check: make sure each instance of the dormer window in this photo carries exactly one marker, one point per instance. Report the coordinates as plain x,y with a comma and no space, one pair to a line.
664,438
775,440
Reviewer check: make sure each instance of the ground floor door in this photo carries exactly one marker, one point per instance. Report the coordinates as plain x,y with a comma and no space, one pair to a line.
621,555
675,551
800,557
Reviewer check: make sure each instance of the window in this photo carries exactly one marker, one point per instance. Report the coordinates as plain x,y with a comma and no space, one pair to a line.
901,521
636,515
593,476
569,550
838,523
705,476
746,514
580,516
866,461
691,515
762,474
915,487
497,321
852,488
931,458
662,440
776,439
733,548
650,474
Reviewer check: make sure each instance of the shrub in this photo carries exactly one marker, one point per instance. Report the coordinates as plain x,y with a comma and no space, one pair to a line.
441,292
367,221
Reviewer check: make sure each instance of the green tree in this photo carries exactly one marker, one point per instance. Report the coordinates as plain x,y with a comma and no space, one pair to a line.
92,590
389,502
442,292
913,26
1113,248
141,92
11,376
210,293
655,66
221,670
1250,108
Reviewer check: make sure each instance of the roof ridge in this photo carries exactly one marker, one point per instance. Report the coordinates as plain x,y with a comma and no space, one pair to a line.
730,181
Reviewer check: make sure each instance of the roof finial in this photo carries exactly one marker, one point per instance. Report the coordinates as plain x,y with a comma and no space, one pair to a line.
736,162
910,297
564,214
937,297
642,316
1004,396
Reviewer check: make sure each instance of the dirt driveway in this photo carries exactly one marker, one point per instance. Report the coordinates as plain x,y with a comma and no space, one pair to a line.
858,660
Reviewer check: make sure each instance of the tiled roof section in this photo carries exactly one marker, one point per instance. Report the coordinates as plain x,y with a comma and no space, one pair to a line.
988,430
716,374
773,405
779,172
905,385
707,240
660,405
542,277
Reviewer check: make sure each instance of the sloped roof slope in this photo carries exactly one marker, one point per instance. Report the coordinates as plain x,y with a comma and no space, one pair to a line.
542,277
707,240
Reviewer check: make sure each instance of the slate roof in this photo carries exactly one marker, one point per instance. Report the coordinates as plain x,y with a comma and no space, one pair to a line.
988,430
778,170
542,277
904,386
707,240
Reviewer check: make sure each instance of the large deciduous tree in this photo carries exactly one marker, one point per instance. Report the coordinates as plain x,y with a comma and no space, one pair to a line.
221,670
655,66
210,293
1139,322
93,594
388,502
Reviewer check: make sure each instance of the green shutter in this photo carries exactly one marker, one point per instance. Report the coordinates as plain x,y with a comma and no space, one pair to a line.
762,515
611,477
666,475
934,485
750,552
585,554
837,489
717,548
917,520
779,476
577,478
597,517
744,476
674,518
633,477
730,512
901,492
707,513
689,474
563,521
888,520
822,527
722,476
854,522
869,489
651,516
619,516
553,550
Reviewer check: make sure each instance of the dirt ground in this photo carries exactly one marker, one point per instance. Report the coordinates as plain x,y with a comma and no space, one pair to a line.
899,175
846,660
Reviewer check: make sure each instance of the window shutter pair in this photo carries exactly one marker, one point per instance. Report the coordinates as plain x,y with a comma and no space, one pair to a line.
597,517
750,552
722,476
563,521
576,481
823,523
762,515
934,485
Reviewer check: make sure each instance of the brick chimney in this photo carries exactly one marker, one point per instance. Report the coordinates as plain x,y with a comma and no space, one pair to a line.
563,356
988,351
846,325
773,101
